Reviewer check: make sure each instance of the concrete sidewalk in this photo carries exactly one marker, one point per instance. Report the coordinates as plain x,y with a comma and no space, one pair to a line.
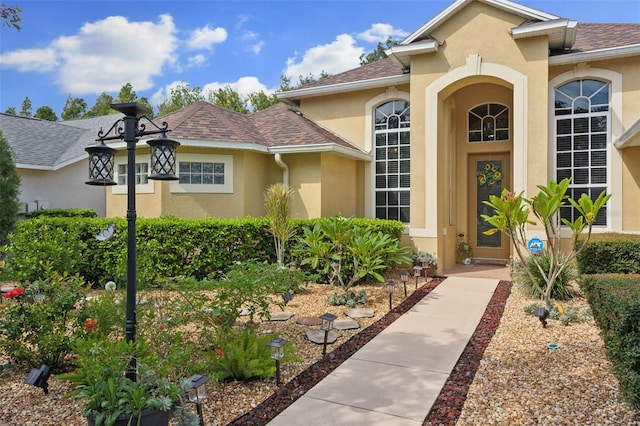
395,378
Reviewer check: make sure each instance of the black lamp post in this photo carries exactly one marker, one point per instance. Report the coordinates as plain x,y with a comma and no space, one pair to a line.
404,277
101,163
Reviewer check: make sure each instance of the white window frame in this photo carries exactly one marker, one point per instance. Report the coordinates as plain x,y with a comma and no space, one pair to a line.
226,188
143,188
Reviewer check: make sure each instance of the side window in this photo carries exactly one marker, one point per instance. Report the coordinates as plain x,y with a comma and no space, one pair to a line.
204,173
392,160
582,132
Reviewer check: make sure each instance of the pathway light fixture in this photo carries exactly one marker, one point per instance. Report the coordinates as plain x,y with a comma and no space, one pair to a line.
391,286
277,352
416,273
404,277
197,392
542,315
38,377
327,325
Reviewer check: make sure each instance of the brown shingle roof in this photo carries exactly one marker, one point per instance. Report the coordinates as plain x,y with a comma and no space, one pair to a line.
282,125
386,67
277,126
604,36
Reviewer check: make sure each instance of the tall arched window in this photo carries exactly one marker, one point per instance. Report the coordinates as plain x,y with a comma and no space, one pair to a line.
582,134
392,157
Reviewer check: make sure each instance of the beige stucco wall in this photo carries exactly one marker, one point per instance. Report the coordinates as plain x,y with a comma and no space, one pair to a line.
339,186
62,189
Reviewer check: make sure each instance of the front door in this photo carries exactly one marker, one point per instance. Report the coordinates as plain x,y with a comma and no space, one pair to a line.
488,175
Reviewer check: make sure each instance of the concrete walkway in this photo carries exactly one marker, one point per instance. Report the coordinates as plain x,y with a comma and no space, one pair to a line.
395,378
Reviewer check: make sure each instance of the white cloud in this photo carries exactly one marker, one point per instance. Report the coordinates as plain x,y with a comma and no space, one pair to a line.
206,37
39,60
99,57
381,32
196,61
340,55
244,86
249,35
243,19
256,48
163,93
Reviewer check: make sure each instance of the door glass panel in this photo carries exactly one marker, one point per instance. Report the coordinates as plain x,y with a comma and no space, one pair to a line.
488,182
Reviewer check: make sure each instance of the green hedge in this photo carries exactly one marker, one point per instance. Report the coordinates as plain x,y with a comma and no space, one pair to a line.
611,253
63,213
615,302
166,246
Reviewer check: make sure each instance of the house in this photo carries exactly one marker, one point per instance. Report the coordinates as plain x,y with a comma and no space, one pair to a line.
486,95
52,163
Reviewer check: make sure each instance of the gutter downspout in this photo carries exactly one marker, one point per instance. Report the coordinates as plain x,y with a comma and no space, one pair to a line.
284,167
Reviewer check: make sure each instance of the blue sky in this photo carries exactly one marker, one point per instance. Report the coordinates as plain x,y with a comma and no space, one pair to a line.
84,48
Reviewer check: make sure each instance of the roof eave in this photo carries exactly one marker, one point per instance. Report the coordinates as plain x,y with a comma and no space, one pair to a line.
626,139
595,55
344,87
402,53
327,147
453,8
561,32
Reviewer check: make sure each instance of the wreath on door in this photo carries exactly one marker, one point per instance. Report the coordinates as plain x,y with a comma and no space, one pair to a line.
490,175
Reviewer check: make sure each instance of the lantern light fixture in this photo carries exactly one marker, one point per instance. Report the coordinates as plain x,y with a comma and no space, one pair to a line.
327,324
391,286
197,392
277,353
404,277
416,273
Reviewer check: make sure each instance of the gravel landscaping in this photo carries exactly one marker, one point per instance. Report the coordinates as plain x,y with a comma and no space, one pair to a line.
505,376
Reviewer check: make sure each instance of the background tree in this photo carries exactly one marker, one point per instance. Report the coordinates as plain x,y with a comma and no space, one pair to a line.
101,107
27,107
10,16
181,96
228,98
126,94
11,110
9,190
378,53
260,100
74,108
46,113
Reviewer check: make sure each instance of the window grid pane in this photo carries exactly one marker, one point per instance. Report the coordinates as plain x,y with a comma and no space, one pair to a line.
488,123
582,117
195,173
392,163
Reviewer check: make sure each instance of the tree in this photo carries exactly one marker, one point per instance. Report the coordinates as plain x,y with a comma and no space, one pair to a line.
228,98
379,52
260,100
126,94
11,110
46,113
512,216
74,108
26,109
277,203
9,190
181,96
101,107
10,16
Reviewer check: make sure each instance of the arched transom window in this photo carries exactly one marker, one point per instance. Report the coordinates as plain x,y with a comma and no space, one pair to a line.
393,166
582,131
489,123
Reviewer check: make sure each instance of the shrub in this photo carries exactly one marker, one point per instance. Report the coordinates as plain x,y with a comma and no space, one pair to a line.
611,254
240,354
349,299
561,290
63,213
615,302
40,322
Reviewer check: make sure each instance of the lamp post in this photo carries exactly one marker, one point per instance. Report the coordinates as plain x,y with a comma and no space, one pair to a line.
404,277
327,325
277,352
416,273
101,162
391,285
197,392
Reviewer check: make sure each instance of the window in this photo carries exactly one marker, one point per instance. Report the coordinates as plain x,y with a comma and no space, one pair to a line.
204,173
201,173
142,174
392,161
489,123
581,140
